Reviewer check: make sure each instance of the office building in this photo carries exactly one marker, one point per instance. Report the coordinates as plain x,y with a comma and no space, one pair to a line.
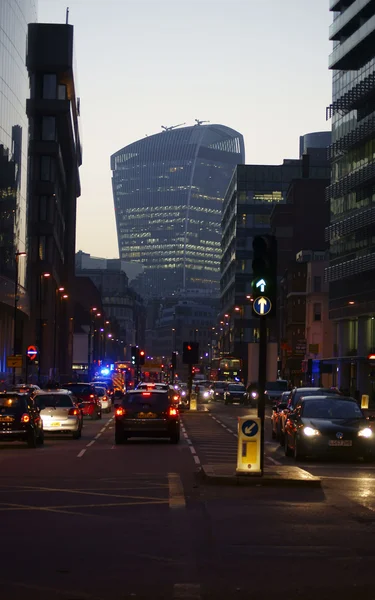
168,192
54,186
351,273
14,89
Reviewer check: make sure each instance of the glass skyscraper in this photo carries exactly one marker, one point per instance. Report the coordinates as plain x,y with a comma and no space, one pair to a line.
14,89
168,193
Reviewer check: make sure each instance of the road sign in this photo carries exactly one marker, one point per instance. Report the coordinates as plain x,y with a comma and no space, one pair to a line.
261,284
250,428
14,362
32,352
262,306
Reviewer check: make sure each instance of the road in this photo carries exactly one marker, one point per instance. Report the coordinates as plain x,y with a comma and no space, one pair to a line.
88,520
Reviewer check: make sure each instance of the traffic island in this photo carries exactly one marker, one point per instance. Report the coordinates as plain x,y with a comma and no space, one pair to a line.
274,476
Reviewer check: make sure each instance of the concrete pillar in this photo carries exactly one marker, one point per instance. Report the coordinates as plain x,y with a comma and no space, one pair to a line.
364,346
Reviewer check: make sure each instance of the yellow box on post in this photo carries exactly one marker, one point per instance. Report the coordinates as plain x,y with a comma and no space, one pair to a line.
365,401
248,451
193,401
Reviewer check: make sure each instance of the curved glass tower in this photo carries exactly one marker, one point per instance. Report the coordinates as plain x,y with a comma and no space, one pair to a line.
168,192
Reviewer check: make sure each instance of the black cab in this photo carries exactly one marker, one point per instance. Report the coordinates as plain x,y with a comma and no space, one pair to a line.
20,419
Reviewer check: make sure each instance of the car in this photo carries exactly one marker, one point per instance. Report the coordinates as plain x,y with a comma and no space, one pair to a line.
329,425
153,386
60,412
104,399
235,392
277,409
87,396
218,389
147,414
107,384
184,395
295,395
25,388
274,389
20,419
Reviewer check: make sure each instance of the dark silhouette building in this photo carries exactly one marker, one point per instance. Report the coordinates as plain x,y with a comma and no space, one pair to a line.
168,192
54,185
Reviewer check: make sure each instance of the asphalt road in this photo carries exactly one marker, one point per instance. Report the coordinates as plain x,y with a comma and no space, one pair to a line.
88,520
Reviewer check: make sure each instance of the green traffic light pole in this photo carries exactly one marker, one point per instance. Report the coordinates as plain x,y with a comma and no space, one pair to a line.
262,375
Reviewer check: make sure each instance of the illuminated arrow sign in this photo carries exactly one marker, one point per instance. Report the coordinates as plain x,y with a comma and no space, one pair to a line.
262,285
262,306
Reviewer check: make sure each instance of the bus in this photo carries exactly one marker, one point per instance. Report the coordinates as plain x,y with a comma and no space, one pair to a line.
228,368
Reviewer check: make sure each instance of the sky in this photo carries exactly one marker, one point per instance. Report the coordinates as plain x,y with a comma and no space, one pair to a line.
258,66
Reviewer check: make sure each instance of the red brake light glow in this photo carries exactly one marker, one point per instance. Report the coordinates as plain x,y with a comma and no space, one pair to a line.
73,411
173,412
146,394
92,396
175,397
25,418
120,411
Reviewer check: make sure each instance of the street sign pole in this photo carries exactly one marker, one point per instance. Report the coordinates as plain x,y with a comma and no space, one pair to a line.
190,381
262,376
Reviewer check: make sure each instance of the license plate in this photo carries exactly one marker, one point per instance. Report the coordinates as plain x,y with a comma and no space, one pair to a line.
146,415
340,442
55,424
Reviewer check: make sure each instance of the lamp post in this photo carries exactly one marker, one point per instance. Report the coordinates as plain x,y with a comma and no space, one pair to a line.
91,312
65,296
17,256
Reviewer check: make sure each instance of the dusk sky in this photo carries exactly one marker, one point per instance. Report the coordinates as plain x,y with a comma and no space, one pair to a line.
259,66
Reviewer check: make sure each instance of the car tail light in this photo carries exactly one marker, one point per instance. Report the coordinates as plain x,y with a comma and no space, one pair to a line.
146,393
92,396
73,411
25,418
173,412
120,411
175,397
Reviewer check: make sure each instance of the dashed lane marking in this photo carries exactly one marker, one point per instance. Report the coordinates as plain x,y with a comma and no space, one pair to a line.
272,460
192,450
196,459
80,454
90,443
176,491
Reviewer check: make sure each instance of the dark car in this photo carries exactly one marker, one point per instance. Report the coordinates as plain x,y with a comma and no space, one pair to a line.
147,414
218,389
295,395
235,392
277,410
20,419
87,396
333,425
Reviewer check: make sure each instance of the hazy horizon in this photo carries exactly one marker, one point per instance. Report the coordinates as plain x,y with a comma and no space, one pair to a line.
260,68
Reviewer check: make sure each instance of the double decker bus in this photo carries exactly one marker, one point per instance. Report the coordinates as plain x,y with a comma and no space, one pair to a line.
228,368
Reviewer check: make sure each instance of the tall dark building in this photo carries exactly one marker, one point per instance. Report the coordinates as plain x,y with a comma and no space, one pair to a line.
351,274
168,192
14,90
54,185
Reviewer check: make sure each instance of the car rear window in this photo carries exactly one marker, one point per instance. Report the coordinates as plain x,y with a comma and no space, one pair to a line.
100,391
276,386
158,400
54,400
79,388
12,402
317,392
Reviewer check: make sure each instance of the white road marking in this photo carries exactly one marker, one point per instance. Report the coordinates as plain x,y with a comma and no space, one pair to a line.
81,453
188,591
97,436
197,460
192,450
90,443
188,441
275,462
176,491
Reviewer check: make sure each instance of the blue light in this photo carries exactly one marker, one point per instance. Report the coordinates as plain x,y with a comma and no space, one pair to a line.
105,371
237,379
112,367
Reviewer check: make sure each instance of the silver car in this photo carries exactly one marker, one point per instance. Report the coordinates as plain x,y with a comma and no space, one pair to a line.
60,412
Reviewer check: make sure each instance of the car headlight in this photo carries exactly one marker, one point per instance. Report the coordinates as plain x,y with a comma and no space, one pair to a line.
366,432
183,393
254,394
206,394
310,432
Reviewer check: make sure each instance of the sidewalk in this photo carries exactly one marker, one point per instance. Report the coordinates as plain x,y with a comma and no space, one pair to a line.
274,476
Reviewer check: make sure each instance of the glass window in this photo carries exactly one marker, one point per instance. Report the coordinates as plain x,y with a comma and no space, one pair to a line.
54,400
317,311
49,129
317,283
61,92
42,247
49,86
45,168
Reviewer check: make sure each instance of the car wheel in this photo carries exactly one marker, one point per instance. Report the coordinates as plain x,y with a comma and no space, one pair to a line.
32,440
175,438
77,434
287,450
40,439
298,455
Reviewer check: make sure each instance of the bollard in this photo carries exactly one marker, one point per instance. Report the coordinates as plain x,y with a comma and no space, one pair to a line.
193,401
249,446
365,400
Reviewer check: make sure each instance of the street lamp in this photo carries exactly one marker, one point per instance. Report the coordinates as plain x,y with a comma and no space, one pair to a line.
16,298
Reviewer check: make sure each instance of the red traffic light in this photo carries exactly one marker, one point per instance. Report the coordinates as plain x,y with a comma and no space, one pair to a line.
142,353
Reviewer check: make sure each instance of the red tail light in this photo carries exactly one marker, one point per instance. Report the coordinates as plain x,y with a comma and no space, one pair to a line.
175,397
120,411
92,396
173,412
25,418
146,393
73,411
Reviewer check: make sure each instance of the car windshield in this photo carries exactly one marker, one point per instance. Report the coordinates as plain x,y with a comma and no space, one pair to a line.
12,402
54,400
312,392
79,388
331,409
236,388
276,386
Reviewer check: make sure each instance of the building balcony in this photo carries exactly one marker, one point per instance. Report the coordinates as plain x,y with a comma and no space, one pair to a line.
358,96
336,5
356,50
350,224
350,183
350,267
349,20
354,138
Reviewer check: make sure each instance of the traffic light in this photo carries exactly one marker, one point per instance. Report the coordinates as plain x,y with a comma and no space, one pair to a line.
264,282
142,356
134,356
174,360
190,353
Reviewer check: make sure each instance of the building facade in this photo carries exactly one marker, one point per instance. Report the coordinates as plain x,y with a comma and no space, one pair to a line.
168,192
351,273
55,156
14,89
